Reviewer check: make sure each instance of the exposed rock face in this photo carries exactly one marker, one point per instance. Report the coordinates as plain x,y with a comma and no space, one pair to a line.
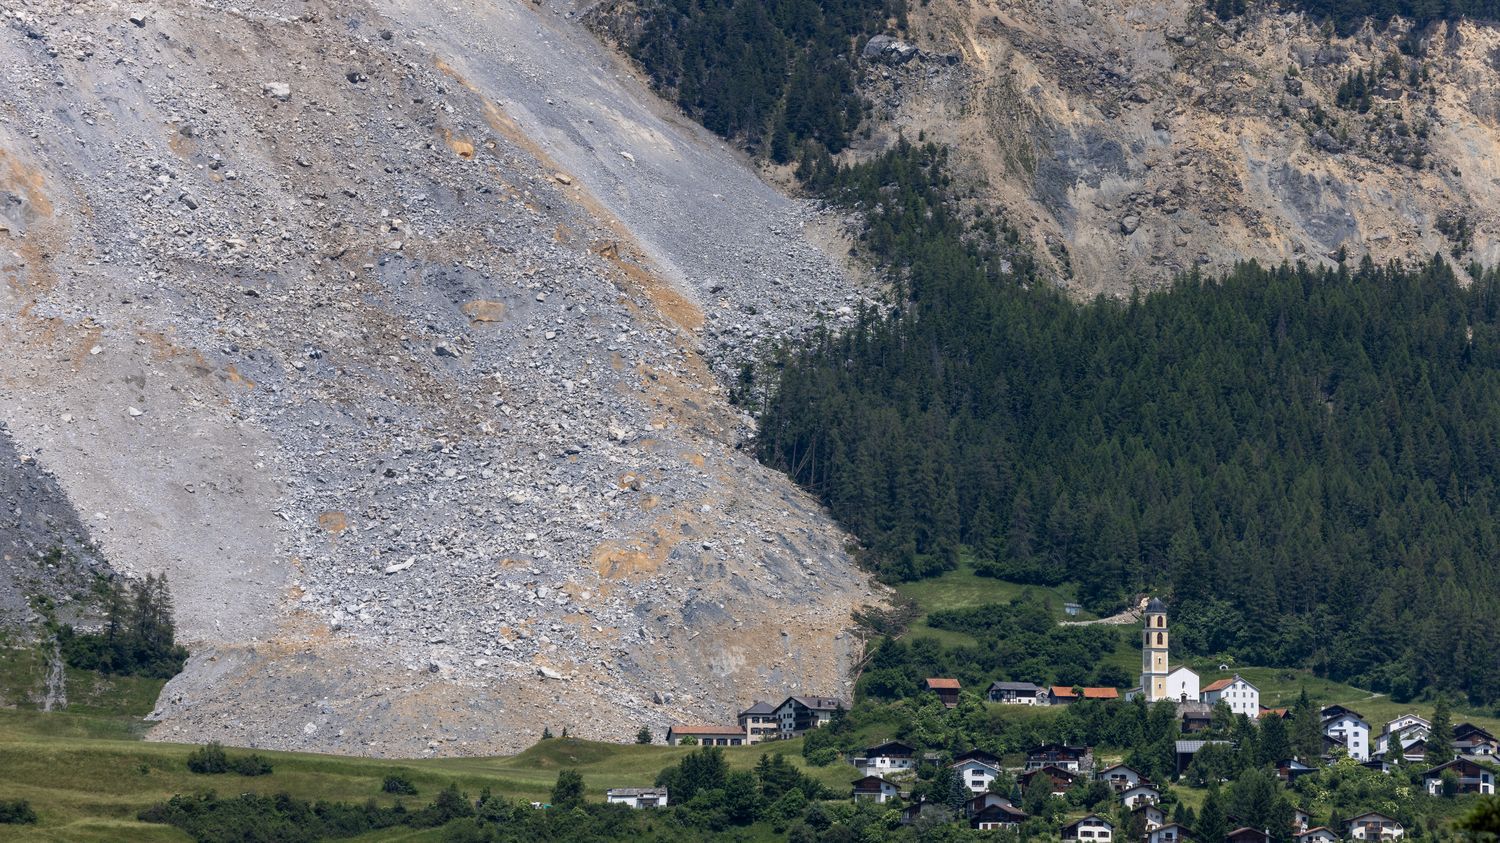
390,334
1223,142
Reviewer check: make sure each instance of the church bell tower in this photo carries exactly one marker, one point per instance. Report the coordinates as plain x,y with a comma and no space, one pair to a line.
1154,649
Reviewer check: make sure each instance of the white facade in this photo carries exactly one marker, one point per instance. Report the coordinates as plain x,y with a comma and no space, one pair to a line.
1182,685
875,789
637,797
1119,777
1140,795
1317,835
1239,695
1354,732
1171,833
976,775
1090,828
1375,827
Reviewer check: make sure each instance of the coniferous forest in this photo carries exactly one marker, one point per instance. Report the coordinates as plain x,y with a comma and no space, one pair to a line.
1306,458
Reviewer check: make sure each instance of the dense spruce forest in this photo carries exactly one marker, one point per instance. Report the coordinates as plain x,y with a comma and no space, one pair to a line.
774,74
1304,458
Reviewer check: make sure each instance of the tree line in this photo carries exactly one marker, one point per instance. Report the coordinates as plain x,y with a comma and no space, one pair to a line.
1302,457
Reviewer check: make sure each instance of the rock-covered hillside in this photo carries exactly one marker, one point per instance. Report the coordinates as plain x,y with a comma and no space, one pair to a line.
1136,139
390,332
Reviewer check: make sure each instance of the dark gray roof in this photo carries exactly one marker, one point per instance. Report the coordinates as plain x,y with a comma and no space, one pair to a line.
636,791
1155,605
819,703
1184,747
1013,686
760,707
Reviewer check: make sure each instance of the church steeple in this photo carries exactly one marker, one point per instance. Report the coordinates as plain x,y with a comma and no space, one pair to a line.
1155,645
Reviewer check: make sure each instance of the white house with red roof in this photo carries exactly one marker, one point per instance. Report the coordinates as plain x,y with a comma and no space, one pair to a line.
1235,692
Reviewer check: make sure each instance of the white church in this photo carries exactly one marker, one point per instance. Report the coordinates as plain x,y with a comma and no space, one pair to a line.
1180,684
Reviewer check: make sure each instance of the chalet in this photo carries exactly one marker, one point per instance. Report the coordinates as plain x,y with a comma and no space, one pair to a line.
706,735
1169,833
1072,758
886,758
946,689
1379,764
1469,739
1350,728
976,774
1472,778
1120,777
1235,692
1247,835
1062,780
990,811
798,715
637,797
1063,694
1014,693
1185,750
1290,769
1402,733
1318,835
989,758
875,789
1141,794
1196,716
1300,820
1092,827
911,813
1151,816
1412,753
759,722
1375,826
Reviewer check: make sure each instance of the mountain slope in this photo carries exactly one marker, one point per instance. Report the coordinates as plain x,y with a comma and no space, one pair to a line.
402,372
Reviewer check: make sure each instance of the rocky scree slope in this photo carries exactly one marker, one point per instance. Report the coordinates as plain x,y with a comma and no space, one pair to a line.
1137,139
389,334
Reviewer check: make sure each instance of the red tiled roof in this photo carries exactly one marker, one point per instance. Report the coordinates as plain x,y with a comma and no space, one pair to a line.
707,730
945,684
1219,685
1088,693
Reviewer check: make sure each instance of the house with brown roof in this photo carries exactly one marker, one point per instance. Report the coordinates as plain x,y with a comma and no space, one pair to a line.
1469,739
946,689
1062,780
706,735
1472,777
1235,692
875,789
991,811
1247,835
1071,758
1065,695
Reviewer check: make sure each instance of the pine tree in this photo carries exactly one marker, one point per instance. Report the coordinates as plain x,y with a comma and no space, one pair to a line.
643,736
1440,737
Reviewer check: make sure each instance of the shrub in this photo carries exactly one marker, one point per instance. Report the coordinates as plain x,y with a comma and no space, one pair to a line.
400,784
17,812
250,765
208,759
823,757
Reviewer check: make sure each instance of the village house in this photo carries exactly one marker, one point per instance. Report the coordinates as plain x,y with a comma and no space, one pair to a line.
1375,826
911,813
1318,835
946,689
976,773
889,757
991,812
1401,733
1120,777
1469,739
1014,693
706,735
1169,833
1235,692
1472,778
1300,820
1064,695
1062,780
875,789
1196,716
1290,769
1151,816
637,797
1141,794
1247,835
1072,758
1349,728
798,715
1092,827
759,722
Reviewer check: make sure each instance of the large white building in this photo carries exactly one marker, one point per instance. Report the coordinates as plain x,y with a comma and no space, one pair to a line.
1348,727
1235,692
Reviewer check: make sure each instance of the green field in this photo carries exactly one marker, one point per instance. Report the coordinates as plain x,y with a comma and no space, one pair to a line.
963,589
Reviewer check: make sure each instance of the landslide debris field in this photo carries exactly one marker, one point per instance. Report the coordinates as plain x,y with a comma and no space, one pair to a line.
396,337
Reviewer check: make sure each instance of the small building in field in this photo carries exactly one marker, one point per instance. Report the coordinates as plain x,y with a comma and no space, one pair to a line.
637,797
1375,826
759,722
1014,693
1092,828
875,789
706,735
947,690
1472,777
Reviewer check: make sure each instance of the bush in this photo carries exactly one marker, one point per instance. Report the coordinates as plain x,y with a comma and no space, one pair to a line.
400,784
208,760
823,757
17,812
250,765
